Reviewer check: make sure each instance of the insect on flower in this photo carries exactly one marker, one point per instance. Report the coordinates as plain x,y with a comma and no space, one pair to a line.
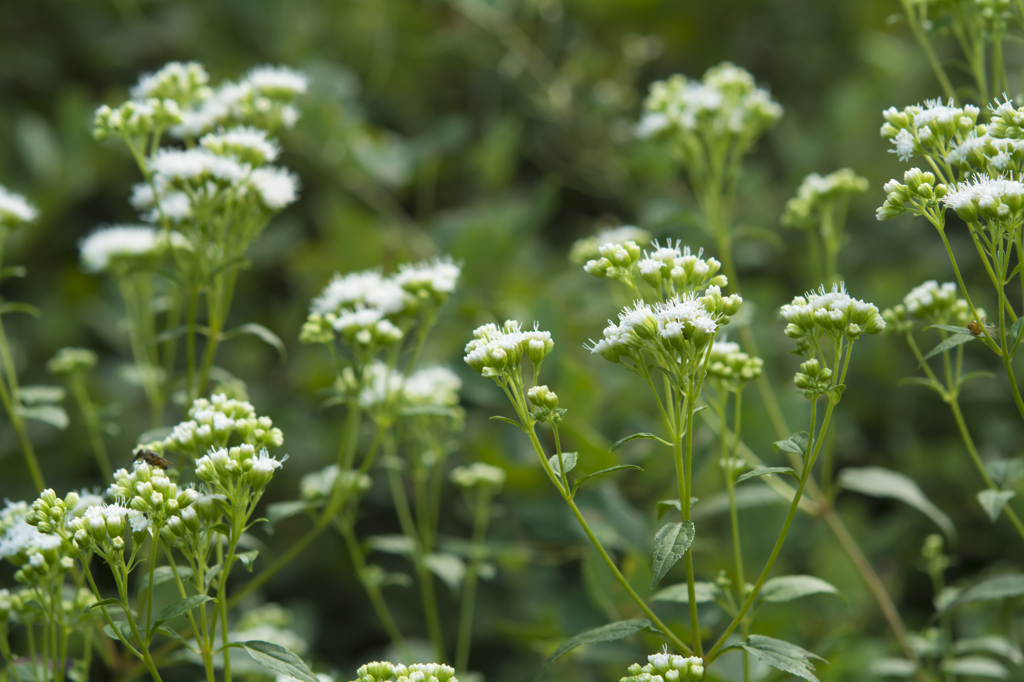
975,327
151,458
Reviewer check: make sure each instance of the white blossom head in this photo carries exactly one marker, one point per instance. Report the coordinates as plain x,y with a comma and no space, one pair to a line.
120,246
15,210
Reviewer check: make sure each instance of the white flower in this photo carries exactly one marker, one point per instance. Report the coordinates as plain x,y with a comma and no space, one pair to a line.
432,386
930,297
196,165
369,287
277,80
244,141
173,78
437,276
106,244
982,188
904,142
276,187
18,537
138,521
15,209
264,463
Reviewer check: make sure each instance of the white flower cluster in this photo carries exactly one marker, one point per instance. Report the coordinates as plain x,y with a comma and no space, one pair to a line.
225,469
985,197
936,304
981,149
588,248
730,364
477,475
928,128
917,194
125,246
494,352
684,325
380,385
20,540
434,279
318,485
175,81
15,209
150,494
685,271
666,668
832,312
382,671
724,104
213,422
816,191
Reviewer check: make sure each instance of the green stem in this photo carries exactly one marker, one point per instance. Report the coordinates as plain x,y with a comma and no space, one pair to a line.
122,589
12,401
933,60
92,424
480,521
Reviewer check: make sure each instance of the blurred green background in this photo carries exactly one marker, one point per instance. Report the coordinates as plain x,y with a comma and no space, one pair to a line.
500,132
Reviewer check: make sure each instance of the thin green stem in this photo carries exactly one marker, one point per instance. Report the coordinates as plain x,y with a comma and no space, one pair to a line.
92,424
9,395
480,521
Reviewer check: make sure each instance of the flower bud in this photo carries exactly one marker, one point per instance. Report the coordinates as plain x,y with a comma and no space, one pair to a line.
71,500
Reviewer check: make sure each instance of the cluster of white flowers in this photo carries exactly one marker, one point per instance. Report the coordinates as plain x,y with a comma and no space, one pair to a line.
730,364
495,351
666,668
588,248
152,496
833,312
369,288
817,191
382,671
927,128
213,422
983,150
175,81
677,265
434,279
380,385
934,303
726,103
985,197
15,209
18,539
225,468
477,475
126,246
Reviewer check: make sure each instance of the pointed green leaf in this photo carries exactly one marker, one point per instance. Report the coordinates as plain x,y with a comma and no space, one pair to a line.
782,655
167,632
15,307
510,421
122,627
576,483
789,587
36,395
665,505
765,471
976,666
703,592
277,658
990,589
949,344
247,558
568,460
448,567
54,415
606,633
1005,472
970,376
993,501
880,482
950,328
893,667
105,602
797,443
390,544
923,382
180,608
264,334
670,544
283,510
992,644
1015,329
163,574
635,436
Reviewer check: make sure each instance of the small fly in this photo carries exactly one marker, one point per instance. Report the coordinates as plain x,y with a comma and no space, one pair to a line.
151,458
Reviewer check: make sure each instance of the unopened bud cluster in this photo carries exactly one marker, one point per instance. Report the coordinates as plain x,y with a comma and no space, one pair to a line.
729,364
833,313
225,470
135,118
148,490
545,403
589,248
666,668
497,353
213,423
929,128
916,194
813,379
382,671
478,475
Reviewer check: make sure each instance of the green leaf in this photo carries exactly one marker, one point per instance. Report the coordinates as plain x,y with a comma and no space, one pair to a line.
448,567
1005,472
167,632
606,633
746,497
163,574
635,436
992,644
991,589
283,510
703,592
1015,329
670,544
267,336
513,422
13,271
949,344
970,376
15,307
123,628
665,505
924,382
765,471
782,655
390,544
54,415
180,608
176,333
576,483
789,587
950,328
568,460
976,666
105,602
247,558
880,482
797,443
993,501
893,667
277,658
35,395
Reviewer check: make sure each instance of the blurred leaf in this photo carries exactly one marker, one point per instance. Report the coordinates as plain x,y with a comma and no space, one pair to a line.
949,344
797,443
277,658
163,574
12,271
880,482
746,497
703,592
247,558
581,479
951,328
606,633
568,460
665,505
34,395
510,421
122,627
1005,472
670,544
390,544
893,667
54,415
765,471
282,510
647,436
991,589
101,603
448,567
976,666
14,307
789,587
168,632
993,644
264,334
782,655
993,501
